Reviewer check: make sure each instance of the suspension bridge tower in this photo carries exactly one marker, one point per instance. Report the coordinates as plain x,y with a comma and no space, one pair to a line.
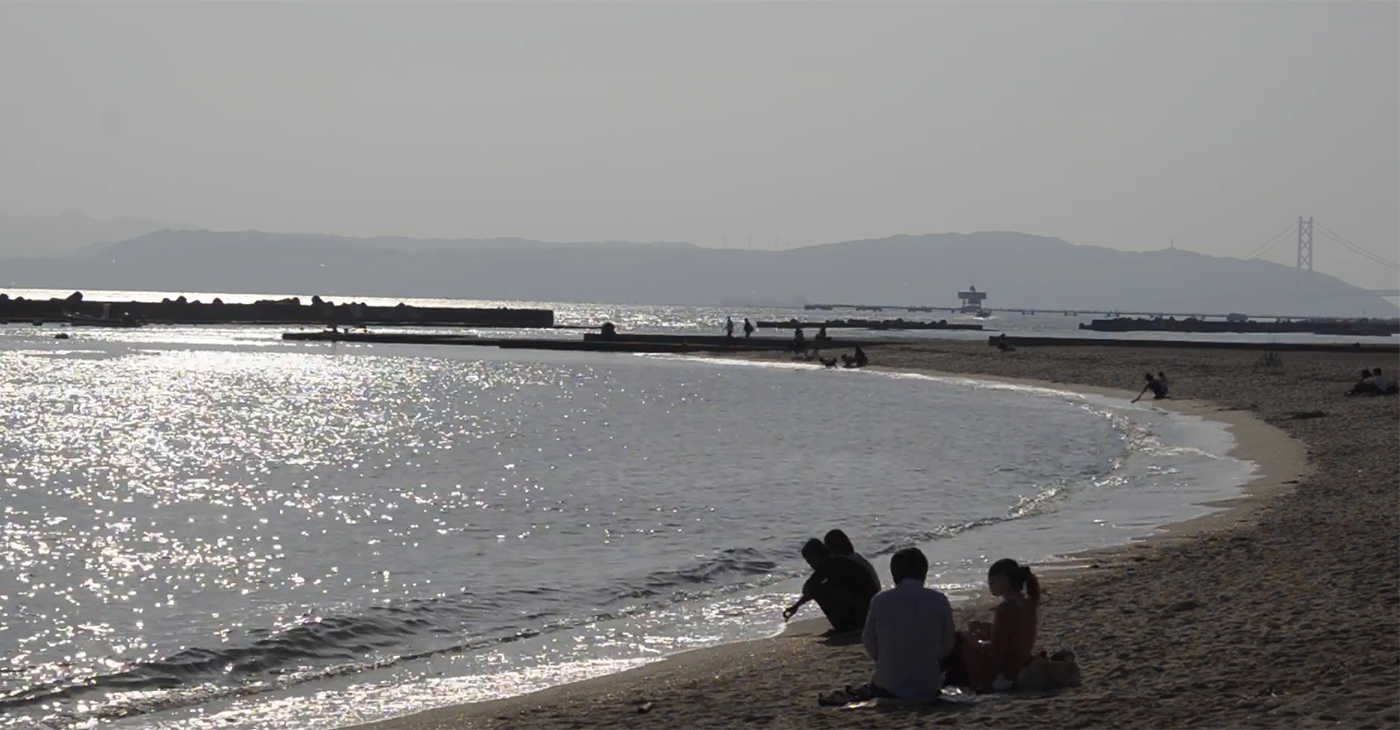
1305,243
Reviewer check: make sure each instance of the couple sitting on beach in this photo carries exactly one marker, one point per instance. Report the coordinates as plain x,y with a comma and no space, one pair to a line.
1373,383
908,630
910,634
842,582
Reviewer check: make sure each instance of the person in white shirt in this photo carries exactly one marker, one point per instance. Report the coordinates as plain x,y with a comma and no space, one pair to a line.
908,632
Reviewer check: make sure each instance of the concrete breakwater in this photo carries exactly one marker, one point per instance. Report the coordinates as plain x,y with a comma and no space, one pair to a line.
1344,327
269,311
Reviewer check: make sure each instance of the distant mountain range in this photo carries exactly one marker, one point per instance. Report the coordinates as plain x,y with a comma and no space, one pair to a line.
66,234
1017,270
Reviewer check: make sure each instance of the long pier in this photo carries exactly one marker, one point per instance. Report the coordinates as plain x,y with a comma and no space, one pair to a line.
592,342
1065,312
868,324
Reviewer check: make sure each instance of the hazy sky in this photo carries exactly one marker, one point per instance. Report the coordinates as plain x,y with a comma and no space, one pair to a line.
1122,124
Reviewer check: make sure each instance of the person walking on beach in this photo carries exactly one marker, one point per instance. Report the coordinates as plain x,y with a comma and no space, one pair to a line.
837,542
729,327
748,328
841,588
908,633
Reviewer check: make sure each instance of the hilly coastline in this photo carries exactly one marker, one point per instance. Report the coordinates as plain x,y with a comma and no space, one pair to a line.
1019,271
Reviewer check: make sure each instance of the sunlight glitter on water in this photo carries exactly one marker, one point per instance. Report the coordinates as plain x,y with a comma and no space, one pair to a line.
190,530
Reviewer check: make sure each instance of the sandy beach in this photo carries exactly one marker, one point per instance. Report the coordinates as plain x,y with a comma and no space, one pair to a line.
1281,611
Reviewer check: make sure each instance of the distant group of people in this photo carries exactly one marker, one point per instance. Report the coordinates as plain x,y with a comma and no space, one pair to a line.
908,629
1373,382
729,328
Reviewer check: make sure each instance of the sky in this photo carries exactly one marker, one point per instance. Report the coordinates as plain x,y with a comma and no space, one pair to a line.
1122,124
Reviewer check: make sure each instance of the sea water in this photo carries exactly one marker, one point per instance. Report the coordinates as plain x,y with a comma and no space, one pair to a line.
205,527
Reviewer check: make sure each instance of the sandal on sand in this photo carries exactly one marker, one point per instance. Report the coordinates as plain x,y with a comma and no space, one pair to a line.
842,697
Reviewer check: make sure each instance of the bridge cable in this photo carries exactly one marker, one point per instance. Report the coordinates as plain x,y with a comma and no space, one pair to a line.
1264,247
1357,248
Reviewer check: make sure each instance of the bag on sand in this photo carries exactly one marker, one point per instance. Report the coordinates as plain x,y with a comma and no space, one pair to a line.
1056,672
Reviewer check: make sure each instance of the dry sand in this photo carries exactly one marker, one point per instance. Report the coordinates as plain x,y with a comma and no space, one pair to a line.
1282,612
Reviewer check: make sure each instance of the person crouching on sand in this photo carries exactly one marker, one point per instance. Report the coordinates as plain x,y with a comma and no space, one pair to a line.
837,542
1158,388
839,585
908,633
989,657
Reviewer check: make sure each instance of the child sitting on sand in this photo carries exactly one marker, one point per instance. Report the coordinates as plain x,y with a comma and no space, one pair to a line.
989,657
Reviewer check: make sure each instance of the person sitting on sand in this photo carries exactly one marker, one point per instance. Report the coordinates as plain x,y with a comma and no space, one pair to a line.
991,656
1365,385
837,542
1166,386
1378,382
860,358
1158,388
839,585
908,633
828,362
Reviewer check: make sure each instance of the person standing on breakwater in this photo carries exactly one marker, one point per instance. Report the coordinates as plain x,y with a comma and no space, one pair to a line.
729,327
799,341
839,585
748,328
837,542
908,633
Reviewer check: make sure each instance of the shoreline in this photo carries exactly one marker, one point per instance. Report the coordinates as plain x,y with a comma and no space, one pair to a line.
1280,462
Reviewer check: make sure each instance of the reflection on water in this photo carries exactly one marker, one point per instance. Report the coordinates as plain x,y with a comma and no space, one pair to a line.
193,529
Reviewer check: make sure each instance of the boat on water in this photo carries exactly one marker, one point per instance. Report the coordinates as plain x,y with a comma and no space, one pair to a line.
106,320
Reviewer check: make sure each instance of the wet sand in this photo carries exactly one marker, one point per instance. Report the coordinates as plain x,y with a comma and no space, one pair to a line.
1282,611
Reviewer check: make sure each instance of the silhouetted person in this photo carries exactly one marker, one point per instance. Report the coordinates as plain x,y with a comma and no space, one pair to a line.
828,362
1365,385
821,333
1158,388
1162,377
839,585
860,358
1381,385
837,542
729,327
799,341
609,330
748,328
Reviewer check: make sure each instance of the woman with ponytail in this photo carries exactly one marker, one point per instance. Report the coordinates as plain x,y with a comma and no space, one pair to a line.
994,654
